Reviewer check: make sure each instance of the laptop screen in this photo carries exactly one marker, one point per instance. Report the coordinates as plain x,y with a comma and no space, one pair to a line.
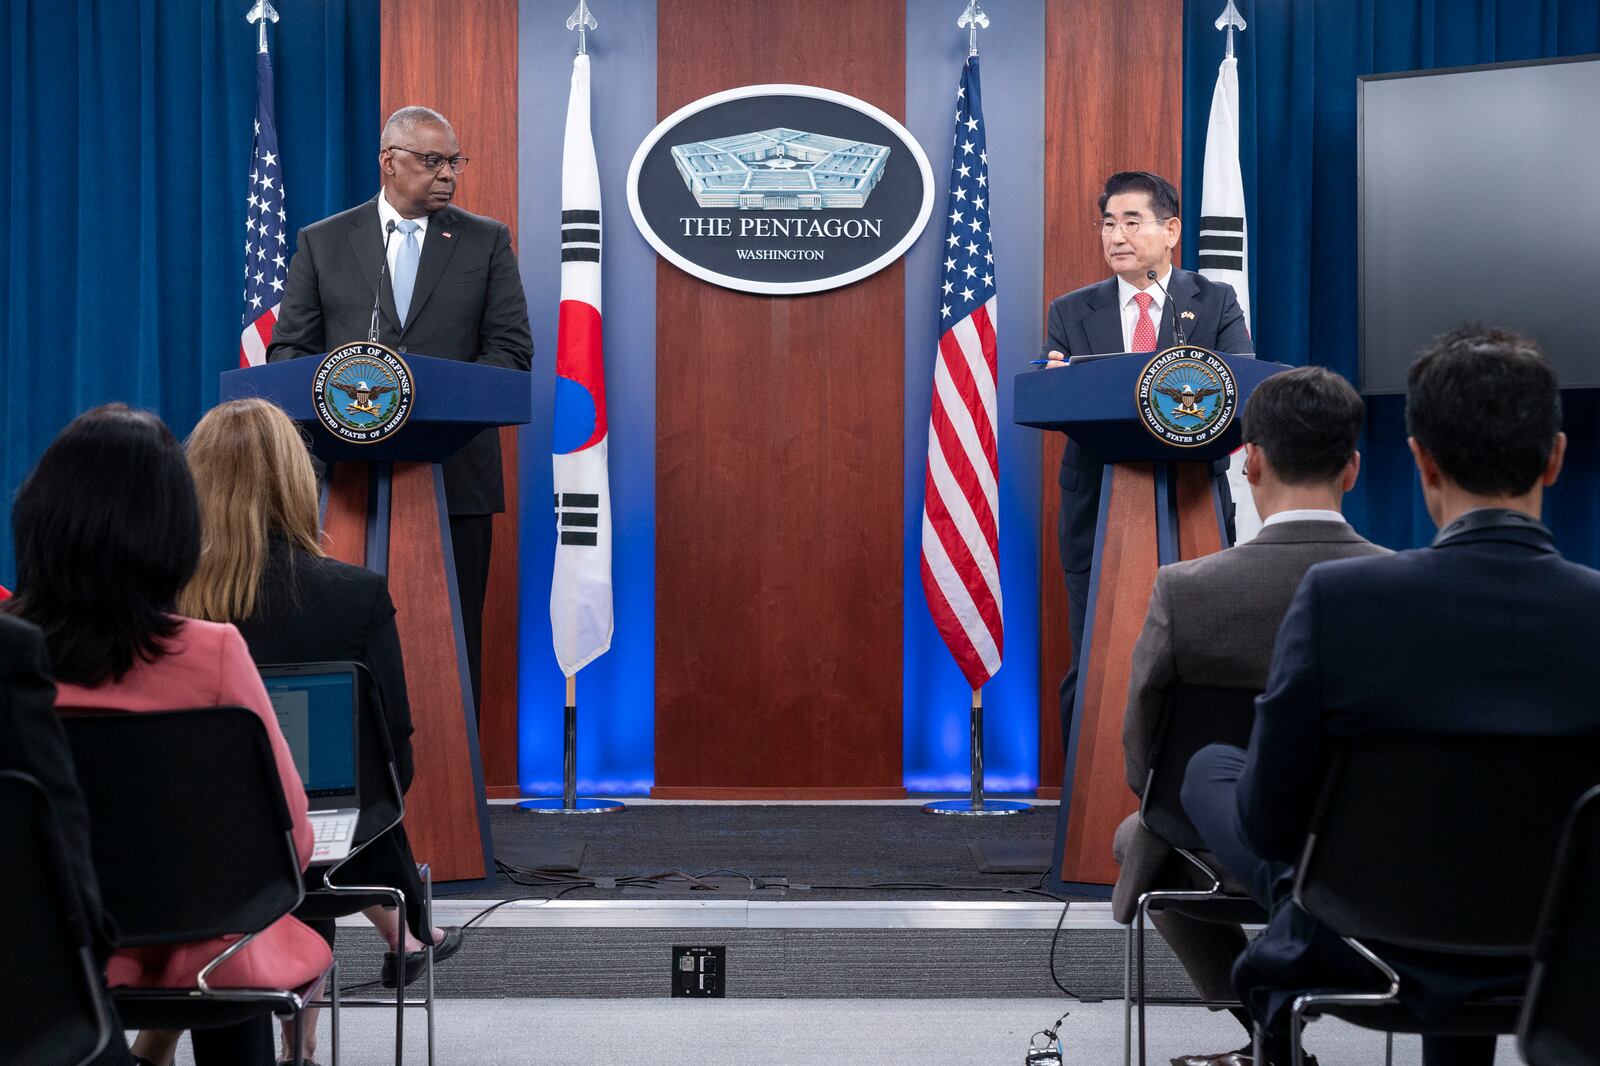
316,711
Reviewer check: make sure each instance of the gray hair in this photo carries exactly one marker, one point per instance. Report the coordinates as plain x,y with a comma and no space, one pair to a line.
404,121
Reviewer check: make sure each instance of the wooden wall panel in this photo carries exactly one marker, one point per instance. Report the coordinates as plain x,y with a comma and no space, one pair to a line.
1113,101
459,57
779,464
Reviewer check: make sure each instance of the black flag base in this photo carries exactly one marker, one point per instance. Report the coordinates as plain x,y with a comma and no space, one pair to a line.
569,803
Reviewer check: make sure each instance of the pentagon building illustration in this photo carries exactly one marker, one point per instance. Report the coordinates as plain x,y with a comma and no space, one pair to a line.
780,170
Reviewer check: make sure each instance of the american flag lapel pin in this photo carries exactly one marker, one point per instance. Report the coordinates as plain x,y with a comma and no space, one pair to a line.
446,236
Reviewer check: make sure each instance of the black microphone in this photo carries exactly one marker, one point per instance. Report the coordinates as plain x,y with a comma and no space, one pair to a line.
383,268
1177,325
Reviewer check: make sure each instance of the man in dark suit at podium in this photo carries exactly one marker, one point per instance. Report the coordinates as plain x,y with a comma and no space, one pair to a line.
1300,431
1143,307
451,290
1488,632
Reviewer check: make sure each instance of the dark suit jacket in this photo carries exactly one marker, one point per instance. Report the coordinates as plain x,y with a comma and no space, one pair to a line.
1490,633
468,304
33,742
1088,321
1212,621
320,610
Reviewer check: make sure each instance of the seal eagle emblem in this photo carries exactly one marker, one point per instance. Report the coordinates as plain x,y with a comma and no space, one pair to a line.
1187,396
362,392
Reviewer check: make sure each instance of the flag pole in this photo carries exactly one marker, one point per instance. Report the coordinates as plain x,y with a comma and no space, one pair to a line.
976,803
579,148
570,802
972,20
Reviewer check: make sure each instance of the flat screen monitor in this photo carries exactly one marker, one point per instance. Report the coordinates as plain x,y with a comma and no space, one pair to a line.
316,709
1479,203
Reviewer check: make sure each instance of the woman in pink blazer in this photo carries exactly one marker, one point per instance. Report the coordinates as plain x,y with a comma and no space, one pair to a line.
107,532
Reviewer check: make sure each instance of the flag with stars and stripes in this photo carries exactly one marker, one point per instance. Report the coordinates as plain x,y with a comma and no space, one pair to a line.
1224,246
960,508
266,228
580,591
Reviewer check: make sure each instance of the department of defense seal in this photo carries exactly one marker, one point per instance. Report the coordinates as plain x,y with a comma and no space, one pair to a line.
1186,396
362,392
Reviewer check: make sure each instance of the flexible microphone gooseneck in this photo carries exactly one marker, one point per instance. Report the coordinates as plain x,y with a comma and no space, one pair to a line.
383,268
1177,324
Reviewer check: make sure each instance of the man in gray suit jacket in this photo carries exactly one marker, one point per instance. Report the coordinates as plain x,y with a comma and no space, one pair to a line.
451,289
1300,431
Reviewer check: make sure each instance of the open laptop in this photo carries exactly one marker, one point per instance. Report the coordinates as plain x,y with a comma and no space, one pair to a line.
316,708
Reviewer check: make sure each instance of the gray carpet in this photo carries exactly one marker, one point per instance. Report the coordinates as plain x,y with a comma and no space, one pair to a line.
826,852
813,1032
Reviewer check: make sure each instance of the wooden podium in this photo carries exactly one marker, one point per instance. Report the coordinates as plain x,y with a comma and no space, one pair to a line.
384,508
1158,504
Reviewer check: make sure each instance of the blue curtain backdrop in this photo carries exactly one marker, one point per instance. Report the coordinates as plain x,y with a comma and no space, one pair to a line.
1298,64
126,130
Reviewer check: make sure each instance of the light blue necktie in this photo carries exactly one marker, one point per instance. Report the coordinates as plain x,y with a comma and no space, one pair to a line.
405,267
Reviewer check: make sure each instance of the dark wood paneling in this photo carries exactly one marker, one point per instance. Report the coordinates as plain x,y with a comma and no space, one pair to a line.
779,425
1198,531
344,522
1113,101
1100,797
459,57
441,807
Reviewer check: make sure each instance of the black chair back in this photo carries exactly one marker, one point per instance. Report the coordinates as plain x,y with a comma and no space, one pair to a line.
1558,1022
1197,715
53,1012
192,839
1413,838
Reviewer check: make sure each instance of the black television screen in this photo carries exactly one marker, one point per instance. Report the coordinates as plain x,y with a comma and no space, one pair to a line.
1479,201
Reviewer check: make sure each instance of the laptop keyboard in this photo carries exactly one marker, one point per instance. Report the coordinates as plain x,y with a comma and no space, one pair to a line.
332,836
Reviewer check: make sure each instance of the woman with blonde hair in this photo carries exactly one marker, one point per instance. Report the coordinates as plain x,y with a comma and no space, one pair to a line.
262,567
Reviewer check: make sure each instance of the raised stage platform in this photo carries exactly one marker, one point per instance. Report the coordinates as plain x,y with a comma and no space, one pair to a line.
808,900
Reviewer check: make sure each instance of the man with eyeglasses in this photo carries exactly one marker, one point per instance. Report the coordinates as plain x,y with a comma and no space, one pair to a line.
1139,228
451,289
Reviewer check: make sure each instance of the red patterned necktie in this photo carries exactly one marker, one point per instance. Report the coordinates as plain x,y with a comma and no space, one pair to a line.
1144,331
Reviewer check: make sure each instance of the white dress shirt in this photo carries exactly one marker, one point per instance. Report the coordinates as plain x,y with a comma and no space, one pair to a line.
1130,307
386,215
1310,514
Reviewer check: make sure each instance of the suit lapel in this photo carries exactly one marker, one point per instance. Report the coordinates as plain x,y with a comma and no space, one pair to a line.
1181,297
1103,324
436,252
366,241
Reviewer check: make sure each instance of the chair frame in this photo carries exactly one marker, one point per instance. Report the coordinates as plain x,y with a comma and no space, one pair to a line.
281,1002
334,1000
1134,948
1309,1004
61,874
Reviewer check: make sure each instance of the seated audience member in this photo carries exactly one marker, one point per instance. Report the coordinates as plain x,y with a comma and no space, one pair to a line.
263,569
1300,430
1487,632
32,742
107,531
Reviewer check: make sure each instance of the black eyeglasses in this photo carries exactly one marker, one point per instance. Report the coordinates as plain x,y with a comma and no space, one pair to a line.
433,160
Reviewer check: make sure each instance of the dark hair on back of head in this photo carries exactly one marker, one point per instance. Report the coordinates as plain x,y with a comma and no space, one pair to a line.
1307,421
107,531
1163,197
1485,404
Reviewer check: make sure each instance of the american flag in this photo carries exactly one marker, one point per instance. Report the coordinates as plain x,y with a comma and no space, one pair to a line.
960,509
266,237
